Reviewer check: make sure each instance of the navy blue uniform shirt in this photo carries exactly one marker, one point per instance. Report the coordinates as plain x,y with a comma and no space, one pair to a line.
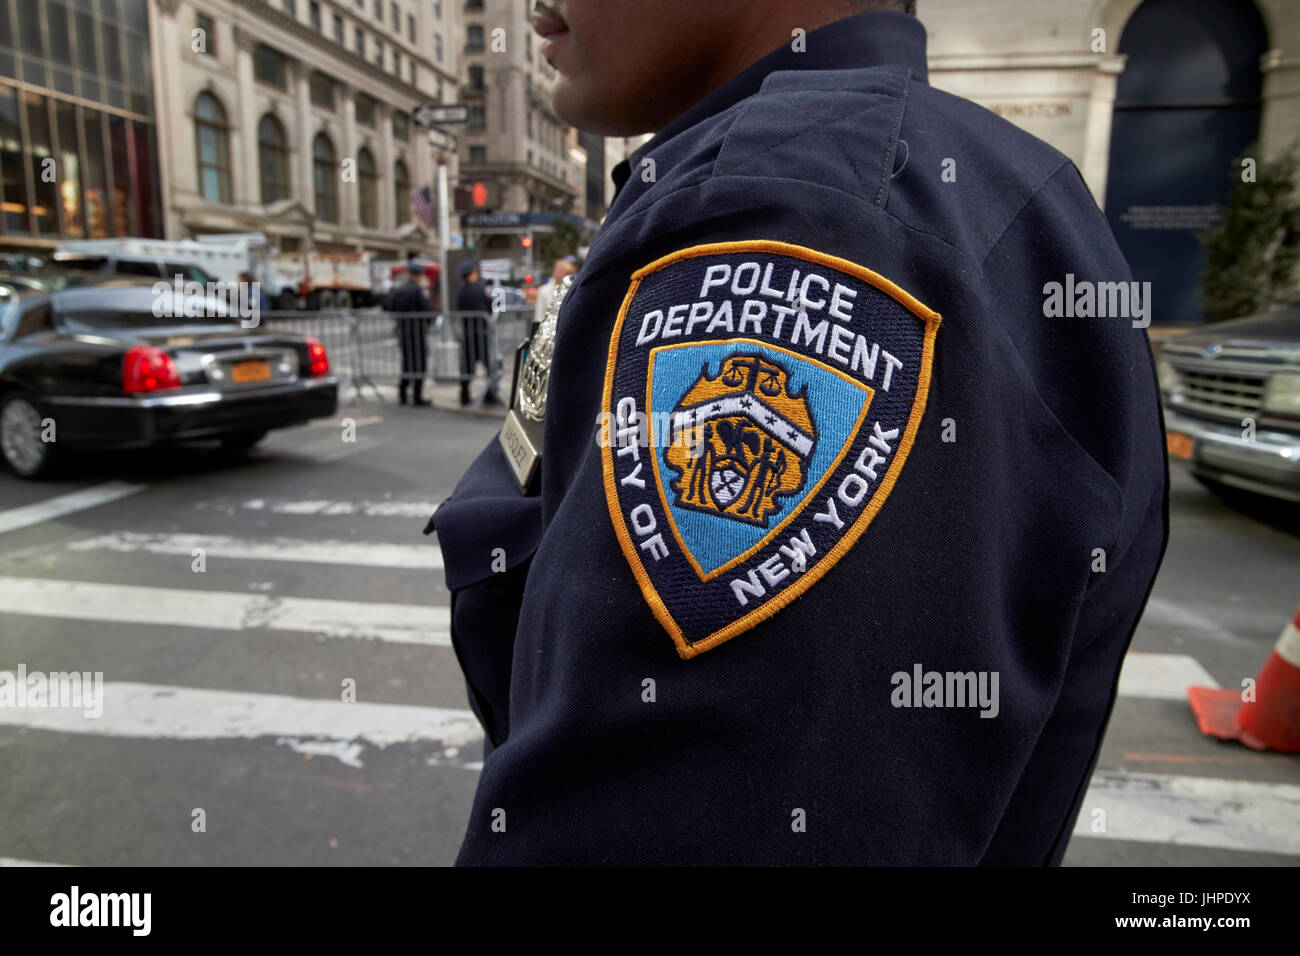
409,297
883,467
471,297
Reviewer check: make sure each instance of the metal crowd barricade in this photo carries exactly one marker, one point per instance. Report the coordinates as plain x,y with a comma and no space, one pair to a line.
513,328
365,348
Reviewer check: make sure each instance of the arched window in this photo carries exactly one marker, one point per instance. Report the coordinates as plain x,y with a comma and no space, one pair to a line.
401,194
273,157
325,173
212,148
367,189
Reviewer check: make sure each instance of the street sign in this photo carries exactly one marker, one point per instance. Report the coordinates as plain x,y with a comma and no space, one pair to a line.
441,139
427,115
495,270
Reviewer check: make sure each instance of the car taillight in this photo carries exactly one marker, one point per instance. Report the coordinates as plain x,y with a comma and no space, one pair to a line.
148,369
320,362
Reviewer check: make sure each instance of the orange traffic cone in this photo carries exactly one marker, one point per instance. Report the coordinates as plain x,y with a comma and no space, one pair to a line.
1268,720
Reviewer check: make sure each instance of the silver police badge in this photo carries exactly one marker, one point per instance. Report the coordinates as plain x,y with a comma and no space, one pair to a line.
521,436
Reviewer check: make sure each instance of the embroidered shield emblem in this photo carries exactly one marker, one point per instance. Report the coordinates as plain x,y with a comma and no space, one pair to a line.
760,400
741,440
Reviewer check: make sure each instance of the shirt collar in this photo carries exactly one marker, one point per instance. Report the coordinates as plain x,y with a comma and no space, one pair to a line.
874,38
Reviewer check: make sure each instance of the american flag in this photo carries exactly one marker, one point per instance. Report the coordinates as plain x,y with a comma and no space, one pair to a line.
422,203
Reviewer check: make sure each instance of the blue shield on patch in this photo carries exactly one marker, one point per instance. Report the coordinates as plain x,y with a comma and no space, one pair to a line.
746,433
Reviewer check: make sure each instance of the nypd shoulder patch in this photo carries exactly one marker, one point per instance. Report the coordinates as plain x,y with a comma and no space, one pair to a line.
760,400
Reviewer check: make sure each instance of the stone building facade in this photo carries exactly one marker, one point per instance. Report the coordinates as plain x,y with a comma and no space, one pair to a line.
293,118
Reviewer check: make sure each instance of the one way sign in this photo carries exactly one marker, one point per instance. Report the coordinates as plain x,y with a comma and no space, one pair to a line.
428,115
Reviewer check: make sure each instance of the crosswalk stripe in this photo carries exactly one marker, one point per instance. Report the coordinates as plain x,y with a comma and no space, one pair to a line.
1144,675
331,508
60,505
425,556
225,610
1192,811
12,861
190,713
358,422
1164,676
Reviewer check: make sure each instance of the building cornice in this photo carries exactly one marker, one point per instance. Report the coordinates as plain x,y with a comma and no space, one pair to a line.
245,39
1105,62
1276,59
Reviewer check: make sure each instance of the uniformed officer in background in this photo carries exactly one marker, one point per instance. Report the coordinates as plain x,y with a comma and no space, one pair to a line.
476,340
412,334
839,541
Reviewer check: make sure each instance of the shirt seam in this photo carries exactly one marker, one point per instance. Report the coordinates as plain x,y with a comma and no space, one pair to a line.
891,147
1024,204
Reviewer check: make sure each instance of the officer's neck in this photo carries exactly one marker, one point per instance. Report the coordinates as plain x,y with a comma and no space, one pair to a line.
774,24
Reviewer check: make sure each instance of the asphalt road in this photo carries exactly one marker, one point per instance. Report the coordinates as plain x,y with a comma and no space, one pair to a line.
224,687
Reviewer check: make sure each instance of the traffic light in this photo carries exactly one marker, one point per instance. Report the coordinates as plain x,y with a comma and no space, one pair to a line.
480,195
526,242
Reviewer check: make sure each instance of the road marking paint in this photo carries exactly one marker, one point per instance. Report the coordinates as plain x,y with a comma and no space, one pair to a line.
159,711
1164,676
346,752
356,553
225,611
367,509
368,420
1183,621
11,861
60,505
1193,811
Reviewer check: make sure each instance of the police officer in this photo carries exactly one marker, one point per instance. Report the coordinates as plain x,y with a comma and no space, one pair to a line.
839,539
412,335
476,343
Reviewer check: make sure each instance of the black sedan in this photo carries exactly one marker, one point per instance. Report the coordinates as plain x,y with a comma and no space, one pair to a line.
113,362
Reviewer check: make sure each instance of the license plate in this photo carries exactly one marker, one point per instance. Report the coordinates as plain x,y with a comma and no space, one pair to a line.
1180,446
242,372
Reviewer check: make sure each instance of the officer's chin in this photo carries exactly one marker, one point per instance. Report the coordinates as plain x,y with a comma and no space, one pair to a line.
579,102
575,103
